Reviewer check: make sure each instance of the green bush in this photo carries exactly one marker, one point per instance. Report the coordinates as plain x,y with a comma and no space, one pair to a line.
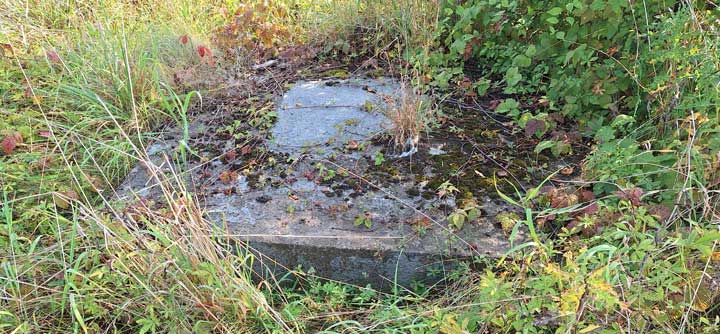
589,58
626,72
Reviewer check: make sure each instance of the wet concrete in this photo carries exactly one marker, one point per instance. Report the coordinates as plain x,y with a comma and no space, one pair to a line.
322,199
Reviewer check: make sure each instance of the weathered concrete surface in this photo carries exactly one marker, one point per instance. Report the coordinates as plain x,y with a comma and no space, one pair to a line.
326,114
301,210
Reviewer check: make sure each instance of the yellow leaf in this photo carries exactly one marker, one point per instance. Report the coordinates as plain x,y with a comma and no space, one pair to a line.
588,329
715,256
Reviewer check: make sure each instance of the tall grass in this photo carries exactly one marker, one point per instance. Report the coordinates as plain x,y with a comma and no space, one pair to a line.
95,77
379,25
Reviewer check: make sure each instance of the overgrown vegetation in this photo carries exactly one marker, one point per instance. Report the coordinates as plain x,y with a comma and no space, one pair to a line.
631,248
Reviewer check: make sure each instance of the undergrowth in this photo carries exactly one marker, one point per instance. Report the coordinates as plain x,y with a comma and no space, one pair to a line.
629,247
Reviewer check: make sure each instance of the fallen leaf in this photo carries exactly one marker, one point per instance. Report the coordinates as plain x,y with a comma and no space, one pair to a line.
203,51
245,150
586,196
5,46
420,221
353,145
567,170
309,175
660,211
633,195
228,176
63,198
206,55
44,162
230,156
10,142
52,56
534,125
590,209
560,199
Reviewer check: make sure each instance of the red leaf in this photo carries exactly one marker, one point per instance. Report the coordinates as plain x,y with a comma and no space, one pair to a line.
204,51
230,156
587,196
44,162
53,56
567,170
5,46
534,125
184,39
228,176
245,150
590,209
353,145
661,212
10,142
45,134
633,195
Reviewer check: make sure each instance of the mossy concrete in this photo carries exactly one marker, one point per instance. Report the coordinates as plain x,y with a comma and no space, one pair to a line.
321,199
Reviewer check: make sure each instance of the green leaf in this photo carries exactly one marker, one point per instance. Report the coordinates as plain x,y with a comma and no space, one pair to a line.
473,214
543,145
530,51
508,106
482,86
378,158
560,147
605,134
522,61
512,76
555,11
457,219
622,120
552,20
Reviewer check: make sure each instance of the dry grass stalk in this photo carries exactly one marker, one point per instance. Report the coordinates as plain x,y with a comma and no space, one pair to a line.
409,114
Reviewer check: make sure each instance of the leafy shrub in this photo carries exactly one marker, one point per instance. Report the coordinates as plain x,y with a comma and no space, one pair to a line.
590,58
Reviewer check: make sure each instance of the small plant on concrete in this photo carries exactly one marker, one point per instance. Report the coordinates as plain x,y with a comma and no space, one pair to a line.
465,214
364,220
326,174
410,115
378,158
446,188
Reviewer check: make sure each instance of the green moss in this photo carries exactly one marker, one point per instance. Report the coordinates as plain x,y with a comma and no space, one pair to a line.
253,179
414,192
428,195
448,166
